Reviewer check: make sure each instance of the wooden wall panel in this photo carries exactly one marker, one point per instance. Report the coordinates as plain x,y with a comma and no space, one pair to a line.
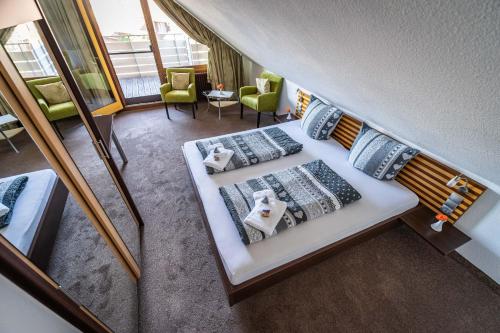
423,175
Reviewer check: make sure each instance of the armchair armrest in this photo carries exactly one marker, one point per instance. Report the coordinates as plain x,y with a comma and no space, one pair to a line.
43,105
267,102
192,90
247,90
165,88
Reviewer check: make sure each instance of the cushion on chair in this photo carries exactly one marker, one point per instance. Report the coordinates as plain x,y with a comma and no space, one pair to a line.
378,155
263,85
180,81
250,101
320,119
61,111
179,96
54,93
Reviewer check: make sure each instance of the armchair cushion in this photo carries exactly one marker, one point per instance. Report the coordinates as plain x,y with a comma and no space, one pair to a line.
61,111
179,96
263,85
180,81
54,93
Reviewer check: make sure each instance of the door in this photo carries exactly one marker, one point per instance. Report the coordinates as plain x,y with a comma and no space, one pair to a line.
81,60
127,38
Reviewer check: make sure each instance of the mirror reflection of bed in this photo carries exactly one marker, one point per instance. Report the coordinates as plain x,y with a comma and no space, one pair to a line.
46,224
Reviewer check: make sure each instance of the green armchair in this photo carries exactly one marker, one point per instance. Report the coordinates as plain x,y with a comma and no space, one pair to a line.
170,96
267,102
53,112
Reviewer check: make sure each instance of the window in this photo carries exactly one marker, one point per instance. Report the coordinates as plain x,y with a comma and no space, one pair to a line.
176,48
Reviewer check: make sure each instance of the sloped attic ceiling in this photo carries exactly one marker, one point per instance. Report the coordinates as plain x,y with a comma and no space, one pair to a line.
427,71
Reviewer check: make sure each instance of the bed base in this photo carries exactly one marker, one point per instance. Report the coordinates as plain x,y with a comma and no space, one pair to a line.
237,293
45,235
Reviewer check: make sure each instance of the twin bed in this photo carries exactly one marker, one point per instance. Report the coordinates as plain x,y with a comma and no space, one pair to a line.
36,215
247,269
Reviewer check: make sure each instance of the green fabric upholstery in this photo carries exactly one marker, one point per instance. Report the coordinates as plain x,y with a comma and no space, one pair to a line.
52,112
263,102
179,96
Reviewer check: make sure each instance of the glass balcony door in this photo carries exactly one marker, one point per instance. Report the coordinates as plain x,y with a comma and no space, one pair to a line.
127,39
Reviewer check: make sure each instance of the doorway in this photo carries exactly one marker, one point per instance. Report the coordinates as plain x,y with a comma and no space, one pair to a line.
141,42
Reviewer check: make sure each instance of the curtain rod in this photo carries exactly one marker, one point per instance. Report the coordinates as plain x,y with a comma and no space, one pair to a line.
206,26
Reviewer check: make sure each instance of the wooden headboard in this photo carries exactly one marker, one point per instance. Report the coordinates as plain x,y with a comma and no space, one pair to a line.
422,175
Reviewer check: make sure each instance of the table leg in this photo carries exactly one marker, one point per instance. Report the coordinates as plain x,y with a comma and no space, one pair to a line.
208,104
219,108
119,147
10,142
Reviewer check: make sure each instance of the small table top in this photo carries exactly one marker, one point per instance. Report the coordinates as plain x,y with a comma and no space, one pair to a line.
7,119
219,94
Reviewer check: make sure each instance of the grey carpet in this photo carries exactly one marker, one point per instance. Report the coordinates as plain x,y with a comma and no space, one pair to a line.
395,282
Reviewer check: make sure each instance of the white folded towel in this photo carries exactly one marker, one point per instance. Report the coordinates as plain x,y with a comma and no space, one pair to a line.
224,157
266,224
3,209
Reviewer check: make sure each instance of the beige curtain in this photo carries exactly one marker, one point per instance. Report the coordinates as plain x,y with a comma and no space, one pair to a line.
5,34
224,63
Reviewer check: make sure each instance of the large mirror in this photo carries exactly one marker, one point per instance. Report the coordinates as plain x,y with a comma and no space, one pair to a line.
30,53
44,222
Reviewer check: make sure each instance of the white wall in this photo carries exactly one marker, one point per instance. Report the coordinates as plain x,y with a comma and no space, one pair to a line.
424,70
482,224
21,313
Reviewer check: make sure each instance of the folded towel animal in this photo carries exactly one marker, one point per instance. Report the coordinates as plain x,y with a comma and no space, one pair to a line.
274,210
218,157
3,209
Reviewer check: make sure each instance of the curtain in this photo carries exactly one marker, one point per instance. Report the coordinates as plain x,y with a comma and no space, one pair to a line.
5,34
224,63
64,20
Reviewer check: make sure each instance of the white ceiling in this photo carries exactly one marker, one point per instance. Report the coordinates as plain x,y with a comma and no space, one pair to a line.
427,71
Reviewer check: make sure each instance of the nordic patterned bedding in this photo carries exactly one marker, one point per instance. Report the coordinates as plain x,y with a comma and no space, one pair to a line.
252,147
29,208
379,201
310,190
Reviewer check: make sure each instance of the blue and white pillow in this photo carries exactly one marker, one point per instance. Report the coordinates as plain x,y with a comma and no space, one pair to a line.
378,155
9,192
319,119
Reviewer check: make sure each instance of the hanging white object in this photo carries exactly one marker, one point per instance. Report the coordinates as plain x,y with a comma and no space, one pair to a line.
438,226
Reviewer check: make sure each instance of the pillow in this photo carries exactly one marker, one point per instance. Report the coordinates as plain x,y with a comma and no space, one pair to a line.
9,192
180,81
3,209
263,85
319,119
378,155
54,93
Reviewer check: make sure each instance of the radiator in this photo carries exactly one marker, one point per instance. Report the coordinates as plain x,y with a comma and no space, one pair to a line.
202,85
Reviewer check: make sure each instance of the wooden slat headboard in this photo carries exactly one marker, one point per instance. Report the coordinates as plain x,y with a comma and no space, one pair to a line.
423,175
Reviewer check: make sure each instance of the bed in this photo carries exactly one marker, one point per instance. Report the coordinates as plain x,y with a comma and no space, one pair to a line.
37,214
247,269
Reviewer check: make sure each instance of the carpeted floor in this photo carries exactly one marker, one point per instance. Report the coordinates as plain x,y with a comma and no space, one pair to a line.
395,282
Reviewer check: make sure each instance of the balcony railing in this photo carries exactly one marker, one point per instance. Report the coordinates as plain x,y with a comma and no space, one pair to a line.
132,57
31,60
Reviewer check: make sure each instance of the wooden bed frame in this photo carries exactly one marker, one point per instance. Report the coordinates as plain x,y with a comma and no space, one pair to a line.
43,241
424,176
237,293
